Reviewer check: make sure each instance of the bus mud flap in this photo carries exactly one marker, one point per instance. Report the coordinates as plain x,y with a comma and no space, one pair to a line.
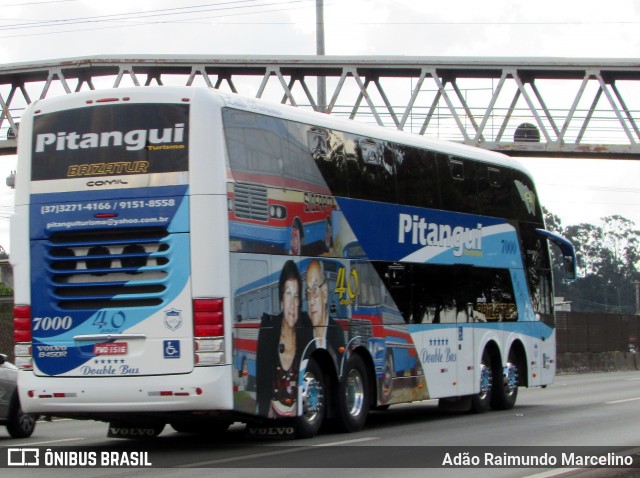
134,431
273,430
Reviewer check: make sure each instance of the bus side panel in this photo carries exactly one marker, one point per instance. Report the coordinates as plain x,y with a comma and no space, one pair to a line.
448,277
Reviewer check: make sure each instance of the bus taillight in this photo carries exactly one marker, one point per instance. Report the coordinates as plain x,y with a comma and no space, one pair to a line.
208,331
22,323
22,336
208,317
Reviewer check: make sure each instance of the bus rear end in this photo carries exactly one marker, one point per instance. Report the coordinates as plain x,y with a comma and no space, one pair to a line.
109,321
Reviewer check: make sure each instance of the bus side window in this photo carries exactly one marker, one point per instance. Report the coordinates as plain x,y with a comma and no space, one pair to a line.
296,151
493,193
418,179
458,183
456,169
437,294
372,173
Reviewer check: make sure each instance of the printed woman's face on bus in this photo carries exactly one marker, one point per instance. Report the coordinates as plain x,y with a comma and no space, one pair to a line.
291,302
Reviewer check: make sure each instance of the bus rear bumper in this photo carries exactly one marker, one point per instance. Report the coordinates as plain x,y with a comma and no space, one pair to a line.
204,389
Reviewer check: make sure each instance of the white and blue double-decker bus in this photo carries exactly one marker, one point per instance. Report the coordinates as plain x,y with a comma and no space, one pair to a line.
188,257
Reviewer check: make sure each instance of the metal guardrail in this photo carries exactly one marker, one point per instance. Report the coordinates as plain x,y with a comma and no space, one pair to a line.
521,106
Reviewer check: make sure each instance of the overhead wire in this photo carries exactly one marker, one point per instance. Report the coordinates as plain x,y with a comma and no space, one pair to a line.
134,20
217,6
245,4
23,4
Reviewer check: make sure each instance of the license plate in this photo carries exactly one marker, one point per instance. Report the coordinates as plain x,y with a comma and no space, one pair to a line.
112,348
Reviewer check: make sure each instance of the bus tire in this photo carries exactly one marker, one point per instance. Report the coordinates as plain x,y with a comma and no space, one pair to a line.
314,402
353,396
505,386
481,402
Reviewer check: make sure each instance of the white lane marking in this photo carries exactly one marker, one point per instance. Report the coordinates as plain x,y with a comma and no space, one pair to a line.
623,401
295,449
551,473
344,442
53,441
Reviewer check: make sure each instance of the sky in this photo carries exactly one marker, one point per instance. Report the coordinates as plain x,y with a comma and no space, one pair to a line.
576,190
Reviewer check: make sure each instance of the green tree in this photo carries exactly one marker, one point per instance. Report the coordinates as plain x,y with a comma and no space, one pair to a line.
622,238
608,257
552,222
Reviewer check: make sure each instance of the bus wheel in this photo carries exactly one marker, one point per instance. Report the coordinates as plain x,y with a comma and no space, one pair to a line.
505,388
481,402
353,395
314,402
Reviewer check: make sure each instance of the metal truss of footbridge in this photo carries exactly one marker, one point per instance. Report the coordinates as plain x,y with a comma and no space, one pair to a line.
552,107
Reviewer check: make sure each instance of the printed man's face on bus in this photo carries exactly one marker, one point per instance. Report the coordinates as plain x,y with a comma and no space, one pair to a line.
291,302
316,294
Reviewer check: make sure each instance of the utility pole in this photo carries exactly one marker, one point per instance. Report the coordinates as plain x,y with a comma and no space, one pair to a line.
637,284
322,83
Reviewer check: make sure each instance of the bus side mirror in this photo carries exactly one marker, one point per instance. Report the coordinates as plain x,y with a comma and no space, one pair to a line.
568,253
569,267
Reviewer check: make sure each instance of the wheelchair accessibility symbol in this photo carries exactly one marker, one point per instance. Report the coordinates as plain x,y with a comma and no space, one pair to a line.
171,349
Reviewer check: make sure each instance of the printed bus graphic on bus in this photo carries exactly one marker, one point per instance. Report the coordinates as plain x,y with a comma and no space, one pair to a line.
277,203
358,313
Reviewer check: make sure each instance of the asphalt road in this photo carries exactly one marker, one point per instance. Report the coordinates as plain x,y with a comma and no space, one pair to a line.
592,410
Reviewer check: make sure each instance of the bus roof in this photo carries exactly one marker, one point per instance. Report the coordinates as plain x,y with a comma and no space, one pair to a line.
373,131
170,93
